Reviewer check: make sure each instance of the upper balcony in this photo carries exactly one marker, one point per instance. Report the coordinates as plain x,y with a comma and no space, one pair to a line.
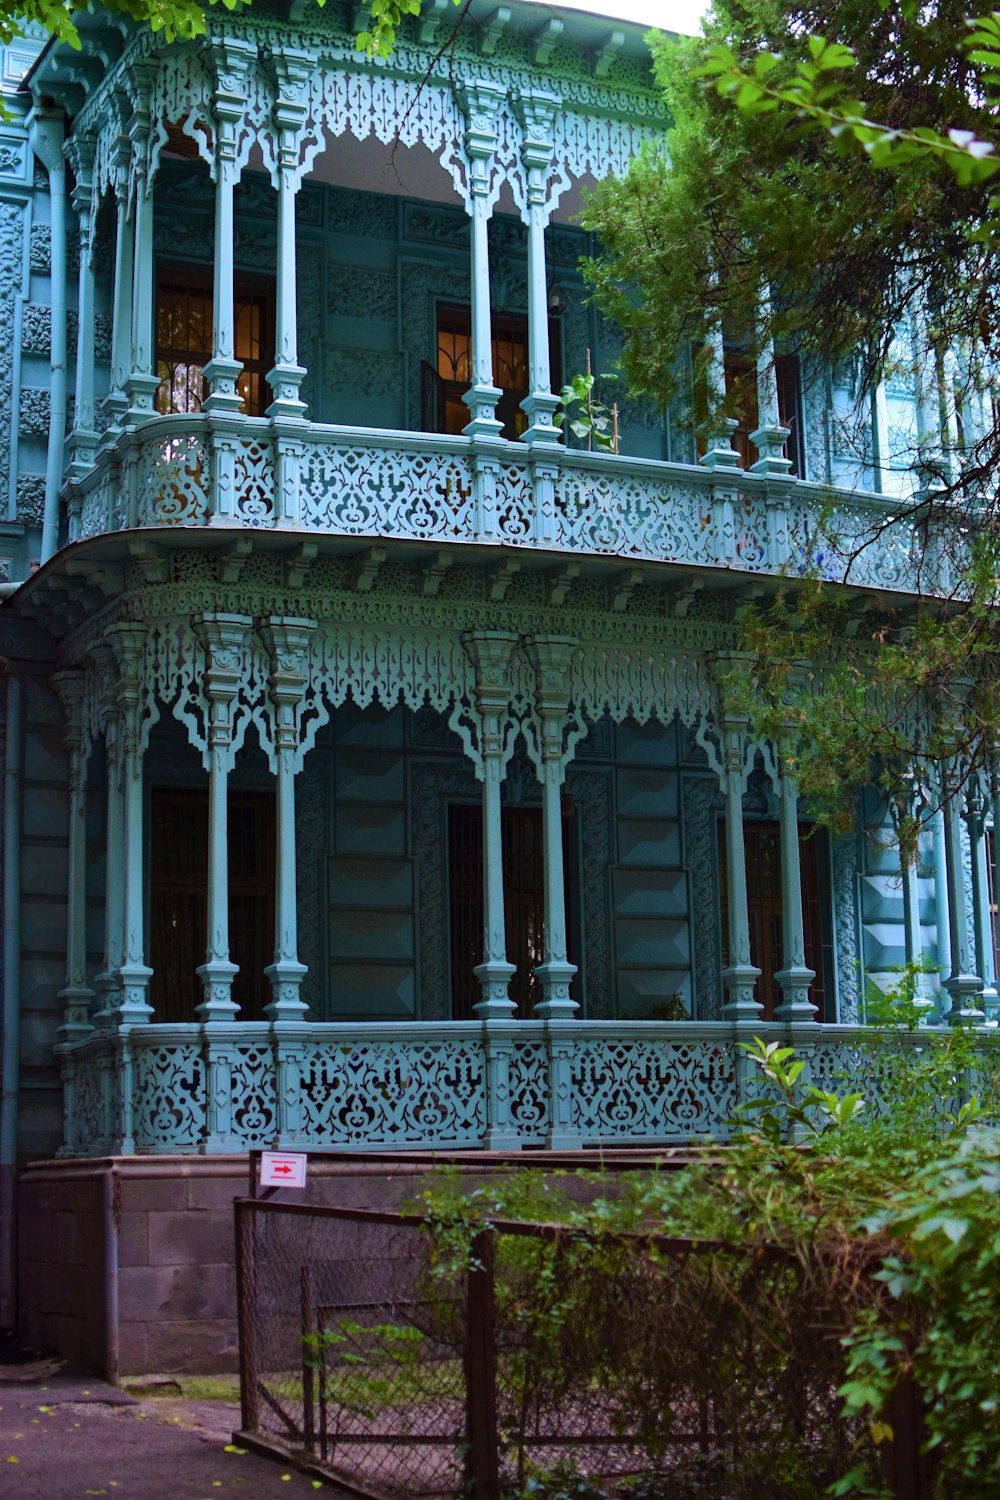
453,491
263,341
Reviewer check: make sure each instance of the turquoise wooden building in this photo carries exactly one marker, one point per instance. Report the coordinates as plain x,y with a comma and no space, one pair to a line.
368,783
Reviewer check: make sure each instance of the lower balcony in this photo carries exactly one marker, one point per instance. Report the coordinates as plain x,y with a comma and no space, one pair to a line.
176,1088
353,482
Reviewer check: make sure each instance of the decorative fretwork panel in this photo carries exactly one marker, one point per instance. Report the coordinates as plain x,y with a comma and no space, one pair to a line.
529,1090
383,492
611,510
174,481
168,1100
393,1093
652,1087
253,1094
90,1127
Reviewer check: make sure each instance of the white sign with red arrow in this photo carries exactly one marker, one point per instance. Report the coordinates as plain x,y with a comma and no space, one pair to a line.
283,1169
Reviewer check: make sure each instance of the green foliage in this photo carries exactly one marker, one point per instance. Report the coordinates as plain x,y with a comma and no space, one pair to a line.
585,418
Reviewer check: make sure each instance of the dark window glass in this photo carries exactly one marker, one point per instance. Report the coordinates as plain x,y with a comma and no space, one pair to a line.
184,338
178,896
444,383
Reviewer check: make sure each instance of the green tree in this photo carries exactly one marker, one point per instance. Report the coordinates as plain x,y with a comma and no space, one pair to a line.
795,221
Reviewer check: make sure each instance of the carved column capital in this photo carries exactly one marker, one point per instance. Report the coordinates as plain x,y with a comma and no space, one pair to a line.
480,101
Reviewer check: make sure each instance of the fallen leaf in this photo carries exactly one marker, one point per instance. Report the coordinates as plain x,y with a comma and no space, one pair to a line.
13,1460
232,1448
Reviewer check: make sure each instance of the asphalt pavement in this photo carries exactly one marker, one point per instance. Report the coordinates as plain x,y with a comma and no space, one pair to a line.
64,1435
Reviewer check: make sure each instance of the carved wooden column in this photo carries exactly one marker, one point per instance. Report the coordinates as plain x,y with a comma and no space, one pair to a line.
292,71
133,974
83,438
231,59
480,102
77,994
490,652
771,435
106,983
794,976
141,383
719,454
116,401
536,111
976,807
903,807
963,984
551,656
287,643
224,638
733,769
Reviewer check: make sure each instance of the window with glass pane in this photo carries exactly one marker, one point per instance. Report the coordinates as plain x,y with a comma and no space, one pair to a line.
444,384
184,338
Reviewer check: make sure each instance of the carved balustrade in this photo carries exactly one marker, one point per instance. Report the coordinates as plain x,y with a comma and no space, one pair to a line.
345,482
426,1085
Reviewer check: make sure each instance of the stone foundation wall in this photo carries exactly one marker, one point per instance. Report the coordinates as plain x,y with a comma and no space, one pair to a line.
127,1265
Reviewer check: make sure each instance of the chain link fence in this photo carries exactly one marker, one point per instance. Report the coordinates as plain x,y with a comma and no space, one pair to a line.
406,1361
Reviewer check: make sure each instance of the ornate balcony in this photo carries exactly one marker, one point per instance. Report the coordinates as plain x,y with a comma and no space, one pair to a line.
186,471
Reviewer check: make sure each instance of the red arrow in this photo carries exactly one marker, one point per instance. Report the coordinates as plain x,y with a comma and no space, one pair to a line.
282,1169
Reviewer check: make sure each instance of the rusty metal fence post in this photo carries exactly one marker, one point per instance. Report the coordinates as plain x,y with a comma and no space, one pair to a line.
482,1460
247,1312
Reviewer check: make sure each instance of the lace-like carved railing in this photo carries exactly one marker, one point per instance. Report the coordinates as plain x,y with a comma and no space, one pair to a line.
168,1093
382,1092
91,1127
175,481
356,1086
359,491
630,515
633,1087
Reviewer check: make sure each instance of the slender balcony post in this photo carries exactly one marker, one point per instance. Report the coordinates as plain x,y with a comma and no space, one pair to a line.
141,383
116,401
719,453
490,652
942,928
975,821
741,975
77,994
995,841
83,438
900,808
287,642
550,656
133,973
795,976
105,982
47,127
231,60
536,111
963,985
480,102
771,434
292,71
224,639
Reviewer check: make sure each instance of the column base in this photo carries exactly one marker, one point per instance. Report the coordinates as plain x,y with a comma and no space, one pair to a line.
795,1002
495,976
482,401
965,991
217,978
285,976
554,978
223,398
106,989
770,442
540,407
141,391
739,982
76,1000
720,455
284,381
133,1007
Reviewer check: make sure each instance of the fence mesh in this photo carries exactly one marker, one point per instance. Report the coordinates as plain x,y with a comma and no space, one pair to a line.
405,1371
